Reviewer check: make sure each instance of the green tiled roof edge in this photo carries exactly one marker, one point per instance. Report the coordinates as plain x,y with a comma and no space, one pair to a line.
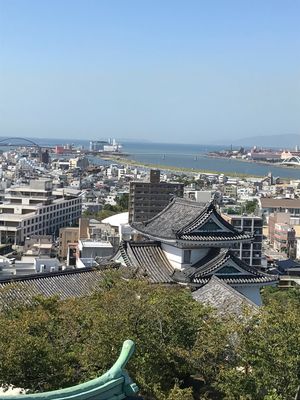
113,384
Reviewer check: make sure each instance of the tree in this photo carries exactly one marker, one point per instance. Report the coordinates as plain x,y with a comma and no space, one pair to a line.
48,344
38,345
250,206
163,321
266,361
122,201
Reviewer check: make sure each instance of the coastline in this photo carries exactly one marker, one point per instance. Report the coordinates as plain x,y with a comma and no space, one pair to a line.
292,167
123,160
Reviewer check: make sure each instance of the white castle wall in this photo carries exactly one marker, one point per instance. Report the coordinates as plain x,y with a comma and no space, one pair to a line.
175,255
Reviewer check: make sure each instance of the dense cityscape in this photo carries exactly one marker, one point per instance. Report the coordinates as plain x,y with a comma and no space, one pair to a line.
149,200
66,221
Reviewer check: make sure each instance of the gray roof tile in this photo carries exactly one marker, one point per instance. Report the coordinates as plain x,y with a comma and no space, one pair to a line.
224,298
65,285
181,217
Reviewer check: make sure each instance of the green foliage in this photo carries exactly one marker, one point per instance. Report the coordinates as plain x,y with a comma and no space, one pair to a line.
37,346
122,201
266,352
250,206
48,344
273,396
160,320
109,210
52,344
180,394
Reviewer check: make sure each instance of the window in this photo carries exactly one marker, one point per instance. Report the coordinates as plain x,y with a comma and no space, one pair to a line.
186,256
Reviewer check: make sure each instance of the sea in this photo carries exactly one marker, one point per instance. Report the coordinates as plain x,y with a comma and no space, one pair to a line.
193,156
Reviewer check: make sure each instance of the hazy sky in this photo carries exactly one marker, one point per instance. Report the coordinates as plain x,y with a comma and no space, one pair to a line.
181,71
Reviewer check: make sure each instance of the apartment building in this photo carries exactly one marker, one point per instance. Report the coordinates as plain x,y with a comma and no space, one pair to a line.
284,237
37,209
277,218
269,205
147,199
251,253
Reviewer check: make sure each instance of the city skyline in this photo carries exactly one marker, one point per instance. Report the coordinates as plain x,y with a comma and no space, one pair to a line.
193,72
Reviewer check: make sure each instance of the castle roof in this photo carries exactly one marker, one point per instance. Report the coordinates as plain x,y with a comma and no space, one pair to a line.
187,220
224,298
229,268
65,285
147,260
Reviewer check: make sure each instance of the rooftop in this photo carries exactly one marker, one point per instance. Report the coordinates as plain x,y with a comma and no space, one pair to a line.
117,219
224,298
66,284
146,260
93,244
268,202
188,220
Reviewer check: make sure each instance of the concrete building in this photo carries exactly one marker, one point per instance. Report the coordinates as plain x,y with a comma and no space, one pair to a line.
270,205
284,237
78,162
201,196
274,218
92,249
36,209
66,236
28,265
147,199
120,224
230,191
250,253
97,145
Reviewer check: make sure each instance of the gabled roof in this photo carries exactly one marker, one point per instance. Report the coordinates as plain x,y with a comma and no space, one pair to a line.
223,263
147,260
224,298
186,220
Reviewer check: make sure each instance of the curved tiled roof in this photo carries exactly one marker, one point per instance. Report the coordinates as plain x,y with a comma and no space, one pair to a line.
65,285
216,236
148,260
225,299
216,258
181,217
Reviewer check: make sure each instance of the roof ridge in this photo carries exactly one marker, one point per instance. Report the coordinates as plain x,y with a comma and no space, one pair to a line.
45,275
190,225
247,267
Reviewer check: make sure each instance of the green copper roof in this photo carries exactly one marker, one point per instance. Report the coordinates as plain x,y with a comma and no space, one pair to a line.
115,384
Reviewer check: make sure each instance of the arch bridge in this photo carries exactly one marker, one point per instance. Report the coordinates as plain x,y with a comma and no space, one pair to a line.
293,160
29,142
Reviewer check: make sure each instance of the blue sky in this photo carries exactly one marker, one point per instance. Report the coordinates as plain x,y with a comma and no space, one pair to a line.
179,71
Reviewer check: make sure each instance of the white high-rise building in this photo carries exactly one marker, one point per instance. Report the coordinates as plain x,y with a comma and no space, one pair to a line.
37,209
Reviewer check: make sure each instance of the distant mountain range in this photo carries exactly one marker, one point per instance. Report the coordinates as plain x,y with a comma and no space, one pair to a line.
288,141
